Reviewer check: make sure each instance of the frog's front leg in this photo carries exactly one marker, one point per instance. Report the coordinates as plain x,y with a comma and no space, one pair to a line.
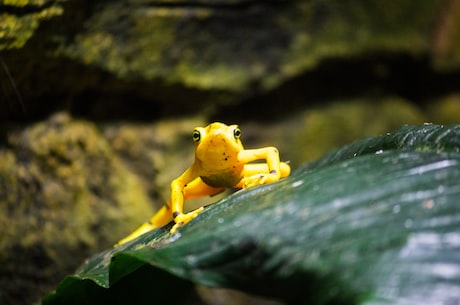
194,189
262,173
259,173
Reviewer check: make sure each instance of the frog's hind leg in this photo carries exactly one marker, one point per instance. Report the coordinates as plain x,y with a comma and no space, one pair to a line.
163,216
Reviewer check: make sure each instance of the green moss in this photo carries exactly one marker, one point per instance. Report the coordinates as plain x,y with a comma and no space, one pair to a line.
16,30
22,3
216,76
142,48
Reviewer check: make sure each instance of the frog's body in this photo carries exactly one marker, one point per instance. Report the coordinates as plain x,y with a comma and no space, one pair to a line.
220,162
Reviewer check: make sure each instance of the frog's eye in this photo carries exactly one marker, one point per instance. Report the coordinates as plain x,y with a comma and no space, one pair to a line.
237,133
196,136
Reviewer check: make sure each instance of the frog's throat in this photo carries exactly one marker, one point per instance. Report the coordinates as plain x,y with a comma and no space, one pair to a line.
221,180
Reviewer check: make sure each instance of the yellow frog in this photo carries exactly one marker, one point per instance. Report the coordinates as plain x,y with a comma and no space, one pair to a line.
220,162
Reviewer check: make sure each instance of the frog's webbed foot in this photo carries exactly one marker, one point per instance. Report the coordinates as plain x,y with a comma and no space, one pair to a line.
182,219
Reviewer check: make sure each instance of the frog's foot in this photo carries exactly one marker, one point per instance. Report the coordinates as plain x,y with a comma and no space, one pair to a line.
146,227
259,179
182,219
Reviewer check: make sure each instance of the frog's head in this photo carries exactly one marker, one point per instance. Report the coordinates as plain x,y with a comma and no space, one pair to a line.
217,143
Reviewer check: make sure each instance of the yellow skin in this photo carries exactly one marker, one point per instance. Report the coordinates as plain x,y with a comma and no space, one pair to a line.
220,162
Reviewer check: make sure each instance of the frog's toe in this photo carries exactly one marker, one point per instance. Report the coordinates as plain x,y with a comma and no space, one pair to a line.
259,179
254,181
175,227
182,219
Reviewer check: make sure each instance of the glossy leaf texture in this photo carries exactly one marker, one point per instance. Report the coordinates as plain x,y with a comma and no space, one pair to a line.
375,222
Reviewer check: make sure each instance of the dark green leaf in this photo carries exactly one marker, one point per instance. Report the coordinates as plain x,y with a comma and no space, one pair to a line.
376,222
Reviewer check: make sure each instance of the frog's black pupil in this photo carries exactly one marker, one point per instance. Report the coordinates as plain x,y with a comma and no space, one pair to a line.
237,133
196,136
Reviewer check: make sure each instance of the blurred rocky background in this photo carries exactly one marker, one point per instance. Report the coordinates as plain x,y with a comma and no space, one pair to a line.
98,100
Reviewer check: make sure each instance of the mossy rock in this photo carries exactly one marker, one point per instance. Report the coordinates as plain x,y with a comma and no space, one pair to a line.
219,53
63,194
236,45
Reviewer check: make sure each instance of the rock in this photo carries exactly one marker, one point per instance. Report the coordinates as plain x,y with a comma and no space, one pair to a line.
175,57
